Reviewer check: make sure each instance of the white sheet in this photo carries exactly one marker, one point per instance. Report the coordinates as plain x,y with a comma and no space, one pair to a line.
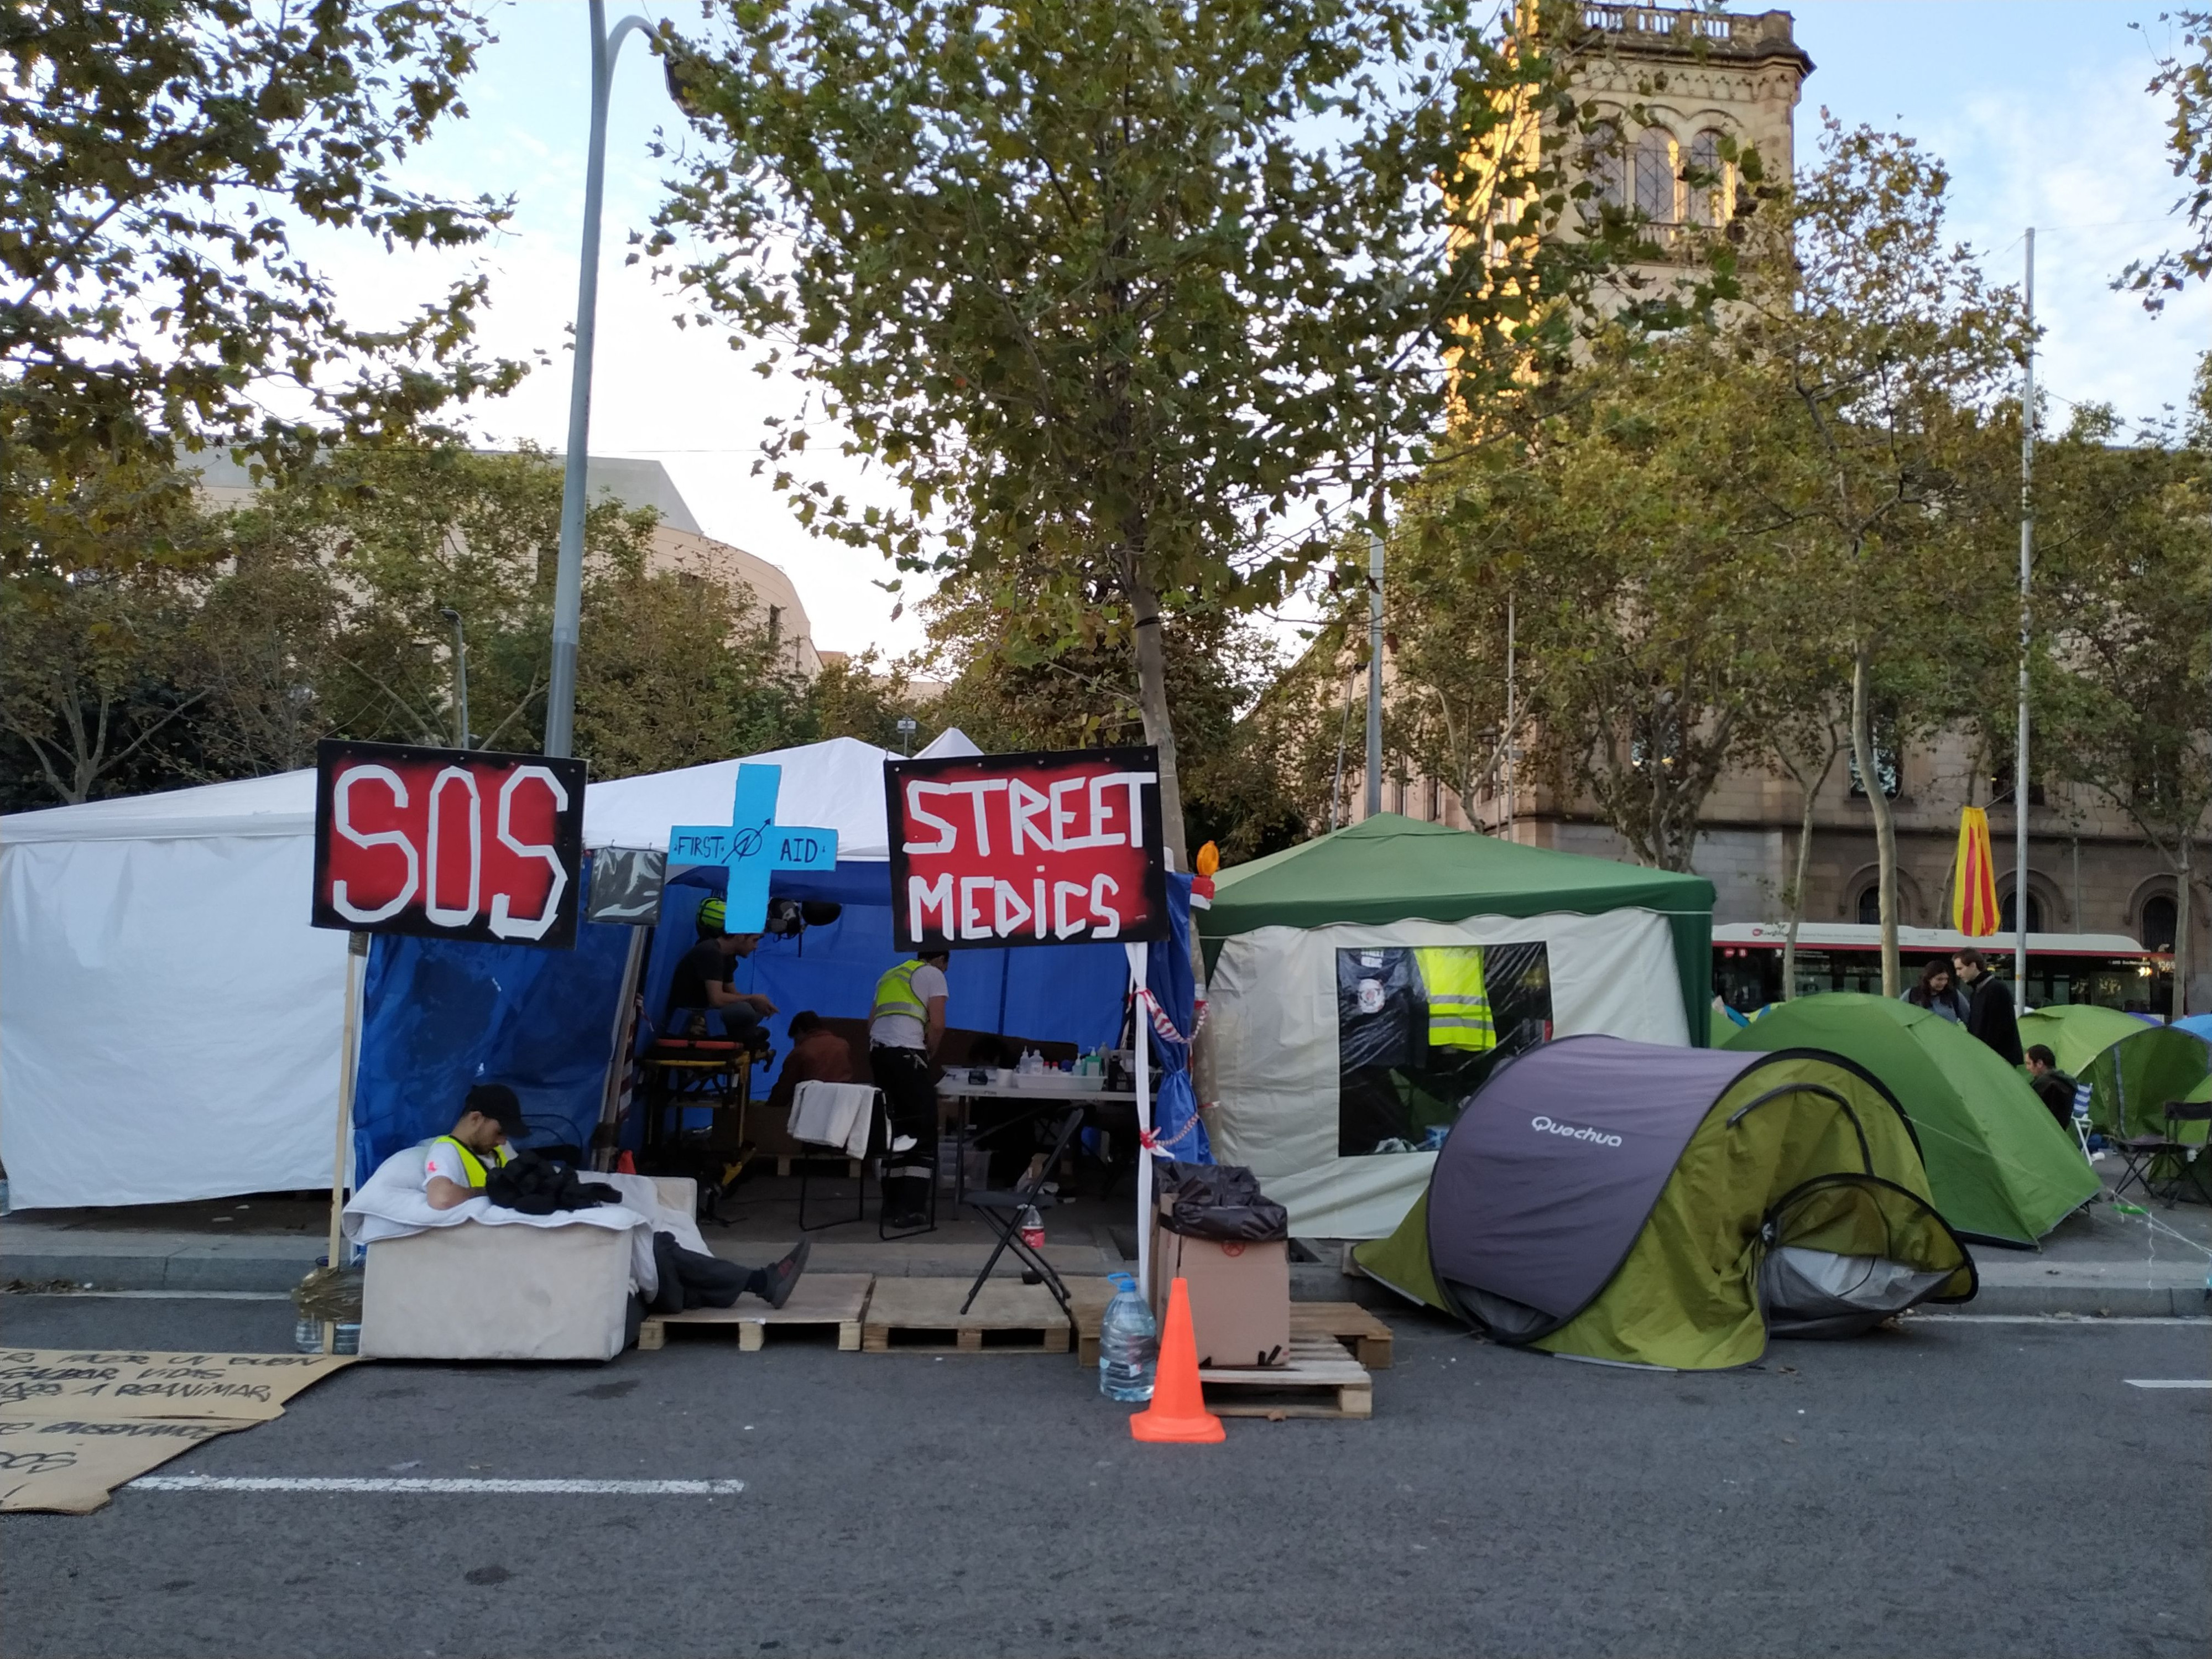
833,1114
1273,1010
391,1203
168,1021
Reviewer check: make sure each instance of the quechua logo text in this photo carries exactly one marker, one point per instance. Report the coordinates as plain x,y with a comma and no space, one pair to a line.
1573,1132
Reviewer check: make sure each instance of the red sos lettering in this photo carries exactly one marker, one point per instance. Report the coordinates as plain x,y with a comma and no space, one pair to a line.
448,843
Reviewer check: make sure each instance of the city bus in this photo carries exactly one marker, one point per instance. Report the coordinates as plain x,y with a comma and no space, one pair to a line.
2110,969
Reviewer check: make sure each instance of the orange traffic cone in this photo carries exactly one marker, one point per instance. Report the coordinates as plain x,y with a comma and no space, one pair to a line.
1177,1414
625,1164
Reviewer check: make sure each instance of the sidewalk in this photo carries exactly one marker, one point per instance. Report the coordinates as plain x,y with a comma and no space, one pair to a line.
2098,1262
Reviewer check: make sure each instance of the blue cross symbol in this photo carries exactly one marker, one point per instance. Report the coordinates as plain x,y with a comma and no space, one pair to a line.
752,845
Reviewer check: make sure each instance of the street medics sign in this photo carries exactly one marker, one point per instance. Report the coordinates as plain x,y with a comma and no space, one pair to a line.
448,843
1026,849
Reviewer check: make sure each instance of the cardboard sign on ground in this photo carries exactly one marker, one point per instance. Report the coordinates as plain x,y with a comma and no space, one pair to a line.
71,1465
114,1384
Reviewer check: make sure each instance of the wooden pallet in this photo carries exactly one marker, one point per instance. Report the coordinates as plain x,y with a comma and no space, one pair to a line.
922,1316
1321,1379
1366,1338
834,1302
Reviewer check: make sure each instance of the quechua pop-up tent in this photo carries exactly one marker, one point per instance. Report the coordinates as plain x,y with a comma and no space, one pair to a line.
1649,1205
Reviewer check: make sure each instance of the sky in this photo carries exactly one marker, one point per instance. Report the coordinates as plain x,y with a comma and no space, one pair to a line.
2039,109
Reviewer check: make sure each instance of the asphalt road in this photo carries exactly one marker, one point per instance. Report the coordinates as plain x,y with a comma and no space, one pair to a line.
1960,1487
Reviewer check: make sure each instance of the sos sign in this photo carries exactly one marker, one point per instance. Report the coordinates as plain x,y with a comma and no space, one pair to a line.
1045,849
448,843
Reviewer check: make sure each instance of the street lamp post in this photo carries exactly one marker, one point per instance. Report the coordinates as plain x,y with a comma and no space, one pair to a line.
906,730
568,579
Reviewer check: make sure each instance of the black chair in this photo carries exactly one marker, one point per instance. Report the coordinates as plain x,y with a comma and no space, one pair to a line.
2142,1157
1003,1210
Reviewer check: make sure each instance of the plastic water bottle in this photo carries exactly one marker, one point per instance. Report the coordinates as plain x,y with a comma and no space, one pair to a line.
1031,1226
1128,1344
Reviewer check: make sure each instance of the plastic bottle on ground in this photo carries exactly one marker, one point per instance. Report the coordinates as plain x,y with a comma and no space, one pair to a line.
1128,1344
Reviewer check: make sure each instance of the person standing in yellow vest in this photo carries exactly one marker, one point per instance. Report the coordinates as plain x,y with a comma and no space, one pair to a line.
455,1169
1459,1003
905,1025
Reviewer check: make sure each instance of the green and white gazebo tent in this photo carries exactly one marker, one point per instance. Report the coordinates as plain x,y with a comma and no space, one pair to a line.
2002,1168
1675,1207
2132,1067
1362,986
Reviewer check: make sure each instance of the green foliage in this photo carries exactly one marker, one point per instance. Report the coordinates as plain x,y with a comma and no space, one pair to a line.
154,157
2185,77
1124,296
1007,696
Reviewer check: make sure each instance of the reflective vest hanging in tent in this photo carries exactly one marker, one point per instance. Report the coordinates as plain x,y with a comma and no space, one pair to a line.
1459,1003
895,994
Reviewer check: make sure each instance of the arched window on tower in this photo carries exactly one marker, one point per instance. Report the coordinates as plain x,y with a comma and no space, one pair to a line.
1704,183
1655,175
1607,165
2161,923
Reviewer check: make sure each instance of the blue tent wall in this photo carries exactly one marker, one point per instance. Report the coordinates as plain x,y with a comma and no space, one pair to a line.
1066,994
440,1015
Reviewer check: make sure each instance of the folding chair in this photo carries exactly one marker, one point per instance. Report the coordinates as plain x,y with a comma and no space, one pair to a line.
1003,1210
2141,1155
2187,1166
841,1116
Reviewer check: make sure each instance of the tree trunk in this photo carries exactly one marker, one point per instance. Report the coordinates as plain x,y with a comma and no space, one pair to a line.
1159,725
1797,882
1885,827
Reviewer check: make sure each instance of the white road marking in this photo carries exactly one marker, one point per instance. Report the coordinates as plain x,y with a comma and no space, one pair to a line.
405,1483
2169,1382
2083,1321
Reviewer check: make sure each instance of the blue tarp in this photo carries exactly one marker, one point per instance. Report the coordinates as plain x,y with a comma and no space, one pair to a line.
1177,1132
440,1015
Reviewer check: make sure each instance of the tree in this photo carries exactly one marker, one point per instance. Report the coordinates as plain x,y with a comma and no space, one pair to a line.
2127,697
92,622
1007,695
1874,346
156,156
2186,77
1130,296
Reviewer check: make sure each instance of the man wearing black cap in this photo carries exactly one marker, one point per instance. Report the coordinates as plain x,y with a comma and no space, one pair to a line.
453,1173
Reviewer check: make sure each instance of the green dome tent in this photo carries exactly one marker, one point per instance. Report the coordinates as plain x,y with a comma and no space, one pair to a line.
1655,1205
2002,1168
2132,1068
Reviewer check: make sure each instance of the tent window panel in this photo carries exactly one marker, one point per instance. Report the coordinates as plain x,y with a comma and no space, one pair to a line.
1419,1028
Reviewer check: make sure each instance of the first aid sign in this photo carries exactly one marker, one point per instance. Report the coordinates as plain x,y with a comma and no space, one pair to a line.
448,843
1046,848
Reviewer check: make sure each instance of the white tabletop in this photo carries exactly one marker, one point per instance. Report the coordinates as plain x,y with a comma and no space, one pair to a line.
953,1084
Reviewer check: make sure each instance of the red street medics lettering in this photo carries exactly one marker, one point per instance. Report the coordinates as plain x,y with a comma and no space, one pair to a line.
1068,815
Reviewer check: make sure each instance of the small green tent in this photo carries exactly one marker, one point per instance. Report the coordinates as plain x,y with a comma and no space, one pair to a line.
1673,1207
2132,1067
2002,1168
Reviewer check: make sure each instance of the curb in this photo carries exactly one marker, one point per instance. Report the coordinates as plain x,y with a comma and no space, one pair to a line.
192,1270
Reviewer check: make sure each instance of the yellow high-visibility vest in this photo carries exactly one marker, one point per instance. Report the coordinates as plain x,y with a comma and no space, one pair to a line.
471,1163
895,994
1458,1005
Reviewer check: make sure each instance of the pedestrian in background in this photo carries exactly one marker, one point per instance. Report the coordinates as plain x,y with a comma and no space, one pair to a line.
1989,1006
1937,994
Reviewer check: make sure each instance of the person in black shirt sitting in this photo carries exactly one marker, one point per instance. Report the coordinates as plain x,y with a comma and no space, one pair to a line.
702,1001
2053,1087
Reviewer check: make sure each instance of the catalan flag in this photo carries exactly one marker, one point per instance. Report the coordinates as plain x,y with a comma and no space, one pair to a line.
1974,884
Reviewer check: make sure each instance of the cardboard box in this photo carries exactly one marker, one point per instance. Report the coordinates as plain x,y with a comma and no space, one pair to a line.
1240,1295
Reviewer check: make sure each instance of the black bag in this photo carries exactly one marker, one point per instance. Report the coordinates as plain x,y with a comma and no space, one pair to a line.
1219,1201
538,1186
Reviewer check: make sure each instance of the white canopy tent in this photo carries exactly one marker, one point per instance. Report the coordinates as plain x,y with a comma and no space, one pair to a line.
171,1023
